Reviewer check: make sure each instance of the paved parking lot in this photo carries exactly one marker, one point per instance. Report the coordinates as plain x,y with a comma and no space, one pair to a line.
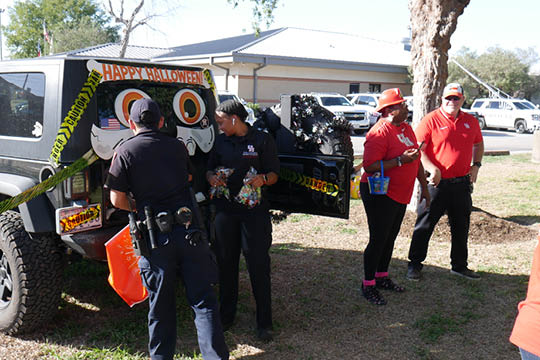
494,140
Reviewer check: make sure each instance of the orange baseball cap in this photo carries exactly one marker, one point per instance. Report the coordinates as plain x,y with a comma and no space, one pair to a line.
389,97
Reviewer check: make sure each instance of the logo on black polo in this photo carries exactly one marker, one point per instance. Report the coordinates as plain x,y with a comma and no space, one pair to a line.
250,153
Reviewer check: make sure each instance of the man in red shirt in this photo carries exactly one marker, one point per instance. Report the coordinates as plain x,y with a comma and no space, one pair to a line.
452,140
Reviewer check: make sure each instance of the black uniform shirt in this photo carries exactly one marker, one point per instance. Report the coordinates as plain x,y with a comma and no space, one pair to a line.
153,167
256,149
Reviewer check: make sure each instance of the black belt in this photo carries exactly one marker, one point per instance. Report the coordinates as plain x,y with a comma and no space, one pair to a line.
456,180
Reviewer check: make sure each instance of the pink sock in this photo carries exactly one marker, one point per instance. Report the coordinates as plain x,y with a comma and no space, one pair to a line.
381,274
369,282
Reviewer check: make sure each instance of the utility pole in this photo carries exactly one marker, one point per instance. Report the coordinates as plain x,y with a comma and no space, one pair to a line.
1,46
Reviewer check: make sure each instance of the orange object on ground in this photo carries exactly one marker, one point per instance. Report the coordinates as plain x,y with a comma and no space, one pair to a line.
526,332
124,275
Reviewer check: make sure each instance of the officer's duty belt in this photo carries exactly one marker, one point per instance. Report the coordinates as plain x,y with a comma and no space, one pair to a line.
165,220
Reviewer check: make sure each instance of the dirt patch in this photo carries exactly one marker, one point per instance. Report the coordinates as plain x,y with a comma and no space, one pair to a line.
484,227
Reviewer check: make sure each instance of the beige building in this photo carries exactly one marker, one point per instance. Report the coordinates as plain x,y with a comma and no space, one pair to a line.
291,60
286,61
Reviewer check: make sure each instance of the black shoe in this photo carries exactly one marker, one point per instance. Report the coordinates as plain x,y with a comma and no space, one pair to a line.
466,273
413,274
372,295
386,283
265,335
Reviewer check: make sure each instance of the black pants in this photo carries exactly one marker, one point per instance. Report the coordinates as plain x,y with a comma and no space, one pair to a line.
176,258
455,199
384,220
250,232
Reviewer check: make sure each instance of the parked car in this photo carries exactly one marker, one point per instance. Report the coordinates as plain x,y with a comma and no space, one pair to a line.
517,114
367,101
225,95
341,106
370,99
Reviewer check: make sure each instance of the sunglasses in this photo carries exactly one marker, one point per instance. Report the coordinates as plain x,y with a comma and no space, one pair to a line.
453,98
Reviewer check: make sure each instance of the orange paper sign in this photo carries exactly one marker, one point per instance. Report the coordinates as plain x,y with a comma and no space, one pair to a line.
124,275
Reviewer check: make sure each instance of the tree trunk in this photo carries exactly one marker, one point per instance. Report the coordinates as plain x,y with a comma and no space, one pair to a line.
125,42
432,24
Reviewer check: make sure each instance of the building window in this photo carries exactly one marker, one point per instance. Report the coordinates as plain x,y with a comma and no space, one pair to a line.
374,88
21,101
354,88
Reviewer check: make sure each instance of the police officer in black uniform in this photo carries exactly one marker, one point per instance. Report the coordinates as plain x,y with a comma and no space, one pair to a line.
152,167
239,228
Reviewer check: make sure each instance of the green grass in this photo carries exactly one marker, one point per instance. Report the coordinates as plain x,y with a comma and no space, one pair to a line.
319,312
514,182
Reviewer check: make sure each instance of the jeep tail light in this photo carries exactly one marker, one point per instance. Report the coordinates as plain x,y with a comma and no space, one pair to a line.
77,186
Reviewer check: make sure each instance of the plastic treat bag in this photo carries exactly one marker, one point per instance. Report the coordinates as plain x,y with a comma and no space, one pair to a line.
249,196
221,191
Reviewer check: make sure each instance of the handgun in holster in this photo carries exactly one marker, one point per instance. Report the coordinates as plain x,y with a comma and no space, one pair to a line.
137,231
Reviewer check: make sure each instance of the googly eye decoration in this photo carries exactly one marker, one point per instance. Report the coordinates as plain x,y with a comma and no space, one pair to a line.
189,106
123,103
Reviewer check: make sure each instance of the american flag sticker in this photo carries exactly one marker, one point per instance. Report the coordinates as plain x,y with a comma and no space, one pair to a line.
111,124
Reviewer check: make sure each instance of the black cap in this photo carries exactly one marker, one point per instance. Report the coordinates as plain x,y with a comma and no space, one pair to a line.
145,105
233,107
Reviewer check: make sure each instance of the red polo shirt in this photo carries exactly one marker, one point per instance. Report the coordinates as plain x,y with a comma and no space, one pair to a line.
449,141
385,142
526,332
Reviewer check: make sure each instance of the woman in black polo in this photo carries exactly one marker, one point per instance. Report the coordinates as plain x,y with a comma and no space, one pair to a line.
239,228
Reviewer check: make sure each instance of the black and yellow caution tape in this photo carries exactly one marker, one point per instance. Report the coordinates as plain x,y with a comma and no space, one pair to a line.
40,188
85,216
74,115
210,81
309,182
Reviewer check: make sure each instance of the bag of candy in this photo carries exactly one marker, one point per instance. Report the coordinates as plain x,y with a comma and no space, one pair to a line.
248,195
220,190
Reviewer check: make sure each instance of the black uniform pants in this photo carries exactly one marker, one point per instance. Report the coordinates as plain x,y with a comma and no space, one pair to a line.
384,221
174,258
250,232
455,199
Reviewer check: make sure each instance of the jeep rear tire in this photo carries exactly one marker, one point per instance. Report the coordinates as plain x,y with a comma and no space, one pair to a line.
30,276
520,127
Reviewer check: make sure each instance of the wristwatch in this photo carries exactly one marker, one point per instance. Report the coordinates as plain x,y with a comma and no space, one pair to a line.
265,178
477,163
399,160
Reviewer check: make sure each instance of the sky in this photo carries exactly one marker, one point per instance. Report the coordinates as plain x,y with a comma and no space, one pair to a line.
485,23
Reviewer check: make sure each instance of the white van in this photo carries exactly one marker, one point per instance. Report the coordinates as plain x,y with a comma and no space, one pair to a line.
518,114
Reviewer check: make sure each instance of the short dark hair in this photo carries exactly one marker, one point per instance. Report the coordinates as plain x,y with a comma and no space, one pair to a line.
233,107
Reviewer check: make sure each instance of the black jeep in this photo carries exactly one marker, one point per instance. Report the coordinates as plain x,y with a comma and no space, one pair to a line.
39,95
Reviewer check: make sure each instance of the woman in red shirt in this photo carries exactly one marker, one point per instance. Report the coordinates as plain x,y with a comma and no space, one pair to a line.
526,332
392,141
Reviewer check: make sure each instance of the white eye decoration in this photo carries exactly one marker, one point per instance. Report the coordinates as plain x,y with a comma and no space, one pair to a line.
123,102
189,106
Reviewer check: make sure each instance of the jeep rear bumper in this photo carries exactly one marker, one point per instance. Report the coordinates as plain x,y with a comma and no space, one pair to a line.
91,244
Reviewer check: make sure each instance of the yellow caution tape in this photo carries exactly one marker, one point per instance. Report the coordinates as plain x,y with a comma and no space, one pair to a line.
40,188
87,215
74,115
309,182
209,80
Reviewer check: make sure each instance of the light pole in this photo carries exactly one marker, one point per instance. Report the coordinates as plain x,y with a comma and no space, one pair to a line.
1,57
